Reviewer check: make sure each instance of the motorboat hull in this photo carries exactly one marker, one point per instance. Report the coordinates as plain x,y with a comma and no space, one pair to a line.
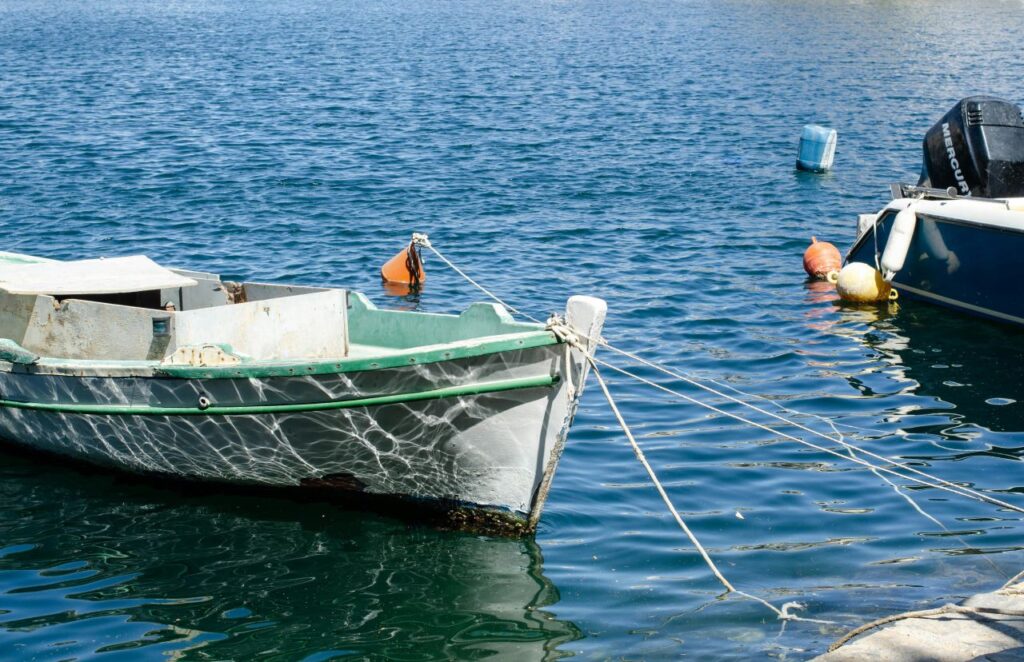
973,266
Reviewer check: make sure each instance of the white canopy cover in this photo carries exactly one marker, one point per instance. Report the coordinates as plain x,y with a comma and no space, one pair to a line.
103,276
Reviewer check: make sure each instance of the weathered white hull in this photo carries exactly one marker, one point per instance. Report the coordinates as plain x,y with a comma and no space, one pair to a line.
492,450
184,375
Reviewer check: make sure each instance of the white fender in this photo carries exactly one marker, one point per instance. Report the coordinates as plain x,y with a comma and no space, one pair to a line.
898,245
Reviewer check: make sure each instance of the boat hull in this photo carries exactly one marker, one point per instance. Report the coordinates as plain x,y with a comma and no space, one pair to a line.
475,434
975,268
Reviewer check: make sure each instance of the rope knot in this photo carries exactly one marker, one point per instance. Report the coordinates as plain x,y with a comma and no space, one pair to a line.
421,239
557,325
784,614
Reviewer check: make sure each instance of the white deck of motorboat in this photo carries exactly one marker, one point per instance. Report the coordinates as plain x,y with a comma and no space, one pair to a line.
1005,213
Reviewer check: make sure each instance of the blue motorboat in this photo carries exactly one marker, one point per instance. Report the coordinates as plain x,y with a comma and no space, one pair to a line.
957,237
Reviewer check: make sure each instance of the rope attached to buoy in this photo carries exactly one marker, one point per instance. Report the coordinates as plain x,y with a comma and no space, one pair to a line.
927,480
423,240
414,265
573,337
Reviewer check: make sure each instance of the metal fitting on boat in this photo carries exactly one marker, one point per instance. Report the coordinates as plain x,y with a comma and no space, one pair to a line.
204,403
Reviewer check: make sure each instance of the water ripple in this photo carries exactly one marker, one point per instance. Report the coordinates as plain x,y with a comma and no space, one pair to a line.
641,152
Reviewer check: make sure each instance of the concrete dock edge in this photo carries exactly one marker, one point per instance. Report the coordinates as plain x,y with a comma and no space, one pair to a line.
987,626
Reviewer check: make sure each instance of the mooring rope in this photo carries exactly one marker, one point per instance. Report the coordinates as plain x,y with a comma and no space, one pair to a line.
936,482
1013,580
832,424
936,485
839,438
896,488
948,485
572,336
783,614
654,479
842,437
423,240
924,613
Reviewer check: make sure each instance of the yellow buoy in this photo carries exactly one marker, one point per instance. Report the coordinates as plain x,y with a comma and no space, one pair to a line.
862,283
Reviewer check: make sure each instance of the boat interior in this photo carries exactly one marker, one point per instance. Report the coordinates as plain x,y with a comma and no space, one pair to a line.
131,309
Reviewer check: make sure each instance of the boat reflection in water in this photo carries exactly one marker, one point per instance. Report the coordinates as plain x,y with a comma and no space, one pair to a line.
102,565
966,368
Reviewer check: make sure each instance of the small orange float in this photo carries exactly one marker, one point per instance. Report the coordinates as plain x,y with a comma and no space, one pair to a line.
406,268
820,258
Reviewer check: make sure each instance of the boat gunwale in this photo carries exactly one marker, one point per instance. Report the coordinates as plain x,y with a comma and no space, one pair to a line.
426,354
931,215
952,220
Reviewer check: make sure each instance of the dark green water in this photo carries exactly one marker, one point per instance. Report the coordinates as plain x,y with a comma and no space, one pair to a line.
641,152
117,566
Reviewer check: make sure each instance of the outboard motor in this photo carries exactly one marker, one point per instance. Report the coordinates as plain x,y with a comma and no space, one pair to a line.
978,149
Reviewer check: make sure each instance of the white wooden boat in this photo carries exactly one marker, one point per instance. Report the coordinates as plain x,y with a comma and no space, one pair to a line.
127,364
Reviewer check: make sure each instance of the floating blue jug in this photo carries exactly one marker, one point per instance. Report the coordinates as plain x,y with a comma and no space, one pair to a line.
817,149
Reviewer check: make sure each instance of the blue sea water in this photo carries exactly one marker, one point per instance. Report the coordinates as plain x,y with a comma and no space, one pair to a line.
638,151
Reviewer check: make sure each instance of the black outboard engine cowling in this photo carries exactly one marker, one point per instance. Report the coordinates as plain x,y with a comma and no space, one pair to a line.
978,149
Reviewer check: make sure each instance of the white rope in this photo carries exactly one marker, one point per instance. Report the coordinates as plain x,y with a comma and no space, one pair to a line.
896,488
654,478
570,338
936,521
832,424
823,449
841,439
938,483
949,486
784,613
424,240
926,614
1013,580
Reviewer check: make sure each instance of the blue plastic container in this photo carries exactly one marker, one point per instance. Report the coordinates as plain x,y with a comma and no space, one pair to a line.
817,148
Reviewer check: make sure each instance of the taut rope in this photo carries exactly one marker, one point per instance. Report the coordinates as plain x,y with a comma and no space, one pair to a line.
572,337
784,613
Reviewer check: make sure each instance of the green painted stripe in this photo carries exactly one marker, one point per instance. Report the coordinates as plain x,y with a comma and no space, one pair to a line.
143,410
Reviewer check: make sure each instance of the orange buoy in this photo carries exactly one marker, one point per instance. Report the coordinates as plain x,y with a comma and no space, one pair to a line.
406,268
820,258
